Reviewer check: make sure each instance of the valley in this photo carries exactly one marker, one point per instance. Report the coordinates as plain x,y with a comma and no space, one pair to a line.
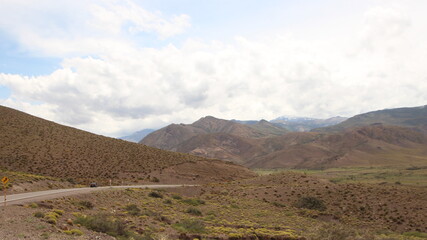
251,181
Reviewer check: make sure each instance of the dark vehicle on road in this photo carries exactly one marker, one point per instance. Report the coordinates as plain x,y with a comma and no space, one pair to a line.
93,184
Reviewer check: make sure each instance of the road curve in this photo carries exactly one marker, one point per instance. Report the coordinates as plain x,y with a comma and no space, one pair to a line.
50,194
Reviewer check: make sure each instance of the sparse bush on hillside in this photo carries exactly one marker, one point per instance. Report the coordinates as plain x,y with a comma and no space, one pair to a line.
133,210
51,217
194,211
177,197
58,211
155,195
33,205
310,203
39,215
86,204
71,180
107,224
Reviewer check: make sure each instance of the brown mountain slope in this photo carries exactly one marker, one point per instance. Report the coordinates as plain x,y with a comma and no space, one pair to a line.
221,146
168,138
413,117
375,145
34,145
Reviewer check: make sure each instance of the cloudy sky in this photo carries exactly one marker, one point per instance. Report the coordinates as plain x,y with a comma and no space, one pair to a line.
113,67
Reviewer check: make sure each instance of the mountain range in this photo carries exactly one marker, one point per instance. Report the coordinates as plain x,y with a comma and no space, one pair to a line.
302,124
293,124
388,137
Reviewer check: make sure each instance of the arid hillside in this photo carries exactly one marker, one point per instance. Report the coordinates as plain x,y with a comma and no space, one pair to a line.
396,207
414,117
168,138
34,145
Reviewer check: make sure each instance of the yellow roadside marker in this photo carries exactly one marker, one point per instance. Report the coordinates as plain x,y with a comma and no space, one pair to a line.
5,180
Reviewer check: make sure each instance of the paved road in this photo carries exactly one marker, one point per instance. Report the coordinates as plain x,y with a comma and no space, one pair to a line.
50,194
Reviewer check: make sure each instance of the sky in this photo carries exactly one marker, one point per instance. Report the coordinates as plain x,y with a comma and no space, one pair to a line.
114,67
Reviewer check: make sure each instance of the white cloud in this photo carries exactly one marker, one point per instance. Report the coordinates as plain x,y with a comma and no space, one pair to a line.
384,28
131,87
62,28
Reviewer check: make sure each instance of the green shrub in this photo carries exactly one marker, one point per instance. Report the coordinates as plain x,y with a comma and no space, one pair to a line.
177,197
103,223
193,201
107,224
310,203
190,226
167,201
133,210
194,211
33,205
59,212
39,215
51,217
155,195
75,232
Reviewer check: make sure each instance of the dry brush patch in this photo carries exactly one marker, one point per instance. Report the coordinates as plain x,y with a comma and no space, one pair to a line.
394,207
212,211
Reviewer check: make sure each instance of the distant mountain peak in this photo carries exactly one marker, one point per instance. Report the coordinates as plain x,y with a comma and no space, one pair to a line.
208,118
137,136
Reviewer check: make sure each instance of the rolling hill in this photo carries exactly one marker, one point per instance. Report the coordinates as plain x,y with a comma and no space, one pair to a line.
414,117
34,145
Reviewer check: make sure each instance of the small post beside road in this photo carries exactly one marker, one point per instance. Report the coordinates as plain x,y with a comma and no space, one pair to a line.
5,180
